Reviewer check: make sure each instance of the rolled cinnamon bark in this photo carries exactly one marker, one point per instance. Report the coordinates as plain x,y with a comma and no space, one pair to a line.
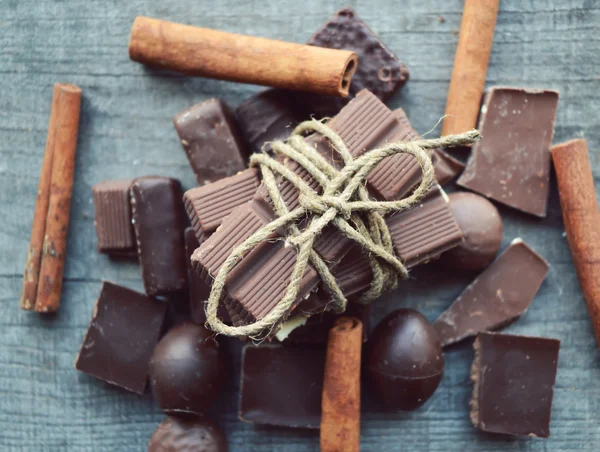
470,65
340,418
66,125
581,218
239,58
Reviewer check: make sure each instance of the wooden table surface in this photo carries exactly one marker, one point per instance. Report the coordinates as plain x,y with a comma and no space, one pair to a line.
126,131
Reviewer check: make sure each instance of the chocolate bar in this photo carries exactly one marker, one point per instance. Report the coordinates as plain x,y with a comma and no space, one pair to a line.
208,205
197,287
269,116
513,380
497,297
123,332
379,70
446,167
113,217
282,386
211,140
158,222
511,163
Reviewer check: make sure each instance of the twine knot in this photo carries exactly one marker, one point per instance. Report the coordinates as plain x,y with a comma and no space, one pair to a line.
344,203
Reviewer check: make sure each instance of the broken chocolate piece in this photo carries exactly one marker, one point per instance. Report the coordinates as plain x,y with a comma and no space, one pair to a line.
513,380
123,332
481,226
198,289
511,162
269,116
158,222
113,217
379,70
211,140
497,297
208,205
446,167
282,386
188,434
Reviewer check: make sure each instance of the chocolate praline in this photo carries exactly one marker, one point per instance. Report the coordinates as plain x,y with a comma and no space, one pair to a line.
187,369
481,225
190,434
405,363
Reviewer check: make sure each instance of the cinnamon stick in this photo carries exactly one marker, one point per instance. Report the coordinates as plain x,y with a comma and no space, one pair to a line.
340,418
581,218
34,253
65,126
470,65
239,58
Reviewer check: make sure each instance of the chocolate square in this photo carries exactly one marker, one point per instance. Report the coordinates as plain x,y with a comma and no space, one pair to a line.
112,219
119,342
513,384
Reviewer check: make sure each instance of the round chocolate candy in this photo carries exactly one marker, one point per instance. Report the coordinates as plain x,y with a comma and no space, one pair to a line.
187,369
188,434
405,362
481,226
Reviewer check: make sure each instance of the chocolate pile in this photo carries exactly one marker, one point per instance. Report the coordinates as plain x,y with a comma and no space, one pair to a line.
128,341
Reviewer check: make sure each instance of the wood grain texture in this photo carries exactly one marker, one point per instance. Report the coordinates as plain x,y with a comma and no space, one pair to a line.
126,131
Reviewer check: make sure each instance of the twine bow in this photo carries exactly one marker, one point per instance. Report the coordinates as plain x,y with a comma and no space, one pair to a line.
344,203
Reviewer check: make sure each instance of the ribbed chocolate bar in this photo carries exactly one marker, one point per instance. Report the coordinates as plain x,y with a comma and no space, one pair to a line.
425,231
158,222
211,140
113,217
207,206
198,290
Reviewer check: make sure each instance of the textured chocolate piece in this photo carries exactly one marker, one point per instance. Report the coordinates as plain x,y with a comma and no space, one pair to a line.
269,116
379,70
211,140
198,289
511,163
405,362
158,222
481,226
282,386
513,380
425,231
189,434
208,205
497,297
113,217
123,332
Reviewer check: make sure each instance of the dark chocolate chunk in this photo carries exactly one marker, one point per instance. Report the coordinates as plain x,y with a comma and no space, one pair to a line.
379,70
209,205
405,361
481,227
158,223
446,167
513,380
187,369
124,329
282,386
497,297
211,140
113,217
511,163
189,434
269,116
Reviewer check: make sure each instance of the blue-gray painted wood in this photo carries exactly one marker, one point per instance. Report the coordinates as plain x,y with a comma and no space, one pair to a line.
126,131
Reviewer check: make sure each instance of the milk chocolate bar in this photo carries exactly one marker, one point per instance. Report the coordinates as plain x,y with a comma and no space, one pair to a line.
208,205
113,217
119,342
513,380
282,386
211,140
497,297
159,224
511,163
269,116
